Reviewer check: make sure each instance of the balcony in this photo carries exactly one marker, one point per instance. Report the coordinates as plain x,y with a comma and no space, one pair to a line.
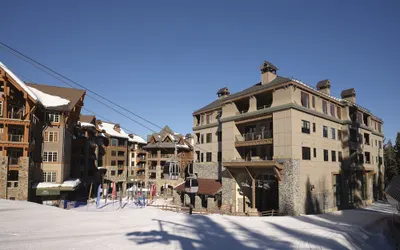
15,115
13,160
167,156
252,139
152,156
140,158
15,138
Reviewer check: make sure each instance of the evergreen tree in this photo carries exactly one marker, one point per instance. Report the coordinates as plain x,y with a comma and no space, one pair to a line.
391,168
397,152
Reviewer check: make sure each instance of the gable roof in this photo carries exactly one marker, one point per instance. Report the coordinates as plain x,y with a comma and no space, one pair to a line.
86,118
71,94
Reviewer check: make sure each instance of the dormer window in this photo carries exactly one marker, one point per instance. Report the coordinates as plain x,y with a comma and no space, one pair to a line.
53,117
324,107
305,100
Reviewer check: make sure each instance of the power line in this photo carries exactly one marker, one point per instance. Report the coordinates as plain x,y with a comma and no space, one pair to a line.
22,56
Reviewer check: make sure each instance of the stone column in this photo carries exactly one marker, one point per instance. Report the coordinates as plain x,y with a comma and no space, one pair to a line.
3,176
197,202
210,203
187,199
23,179
290,201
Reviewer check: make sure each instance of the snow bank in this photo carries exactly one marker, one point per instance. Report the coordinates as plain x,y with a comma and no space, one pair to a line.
49,100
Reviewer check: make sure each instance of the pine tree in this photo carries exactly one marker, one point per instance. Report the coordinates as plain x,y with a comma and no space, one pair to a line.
397,152
391,168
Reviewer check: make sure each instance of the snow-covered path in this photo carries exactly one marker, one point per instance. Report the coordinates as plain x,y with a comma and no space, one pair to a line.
26,225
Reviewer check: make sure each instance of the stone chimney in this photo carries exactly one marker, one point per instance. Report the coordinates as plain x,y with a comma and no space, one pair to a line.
268,72
117,128
349,95
224,92
324,86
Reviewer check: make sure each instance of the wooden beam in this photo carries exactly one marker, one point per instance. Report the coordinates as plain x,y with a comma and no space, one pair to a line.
248,171
278,174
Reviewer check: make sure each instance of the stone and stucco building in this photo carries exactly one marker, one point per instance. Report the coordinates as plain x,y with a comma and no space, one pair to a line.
282,144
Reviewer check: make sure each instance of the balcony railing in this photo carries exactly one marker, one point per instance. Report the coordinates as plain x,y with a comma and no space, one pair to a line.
15,115
254,136
263,107
167,155
252,158
152,156
12,160
15,138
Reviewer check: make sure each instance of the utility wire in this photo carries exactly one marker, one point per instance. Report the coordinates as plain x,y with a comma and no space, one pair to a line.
24,57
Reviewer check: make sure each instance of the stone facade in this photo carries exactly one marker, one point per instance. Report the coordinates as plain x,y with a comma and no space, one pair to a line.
206,170
21,191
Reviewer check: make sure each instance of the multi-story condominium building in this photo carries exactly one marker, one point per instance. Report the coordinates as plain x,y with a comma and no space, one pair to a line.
87,148
37,123
282,144
161,153
121,151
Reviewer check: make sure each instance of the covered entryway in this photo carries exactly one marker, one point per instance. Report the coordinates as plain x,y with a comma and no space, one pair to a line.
257,185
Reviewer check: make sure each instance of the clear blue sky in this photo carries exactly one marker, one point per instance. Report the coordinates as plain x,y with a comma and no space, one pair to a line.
165,59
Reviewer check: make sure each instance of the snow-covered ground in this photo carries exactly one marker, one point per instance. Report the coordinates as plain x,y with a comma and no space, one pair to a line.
26,225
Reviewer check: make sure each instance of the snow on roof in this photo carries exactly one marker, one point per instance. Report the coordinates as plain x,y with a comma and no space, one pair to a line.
47,100
71,183
109,128
20,83
86,124
137,139
182,146
67,183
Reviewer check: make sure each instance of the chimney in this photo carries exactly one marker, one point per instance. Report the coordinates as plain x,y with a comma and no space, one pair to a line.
224,92
349,95
324,86
268,72
117,128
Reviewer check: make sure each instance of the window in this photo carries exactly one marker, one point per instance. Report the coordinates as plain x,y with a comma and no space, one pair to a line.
340,156
113,163
114,142
120,172
112,172
359,117
313,101
202,119
113,153
313,127
339,113
121,153
219,156
333,156
376,143
208,156
332,110
49,176
202,157
208,137
1,108
375,125
339,134
49,156
315,153
306,152
325,131
202,139
305,127
366,139
326,155
12,175
208,118
53,117
121,164
368,157
333,132
198,156
305,100
219,136
324,107
50,136
337,186
380,144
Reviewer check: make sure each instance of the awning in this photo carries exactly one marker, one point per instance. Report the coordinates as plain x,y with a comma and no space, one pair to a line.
206,186
49,188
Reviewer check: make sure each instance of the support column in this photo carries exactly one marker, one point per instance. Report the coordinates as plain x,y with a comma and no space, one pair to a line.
253,189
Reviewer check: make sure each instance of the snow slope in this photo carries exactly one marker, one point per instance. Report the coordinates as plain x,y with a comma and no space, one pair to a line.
26,225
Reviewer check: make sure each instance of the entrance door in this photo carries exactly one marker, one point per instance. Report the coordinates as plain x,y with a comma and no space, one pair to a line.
267,193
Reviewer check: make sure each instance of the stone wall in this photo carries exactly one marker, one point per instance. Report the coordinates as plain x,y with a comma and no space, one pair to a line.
290,202
228,188
206,170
